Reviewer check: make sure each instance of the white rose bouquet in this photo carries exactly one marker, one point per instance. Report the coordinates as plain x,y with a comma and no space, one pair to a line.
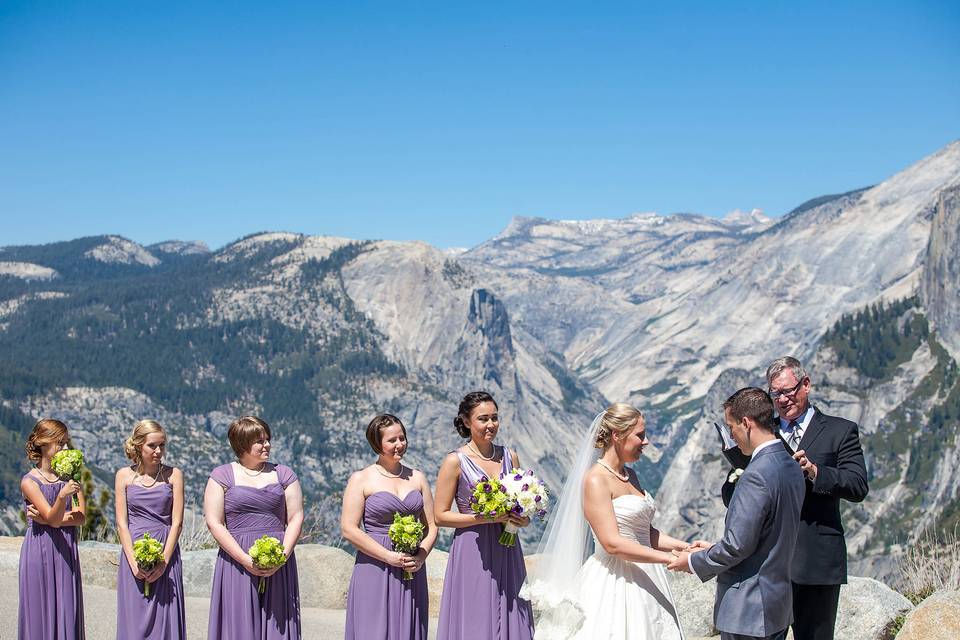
528,497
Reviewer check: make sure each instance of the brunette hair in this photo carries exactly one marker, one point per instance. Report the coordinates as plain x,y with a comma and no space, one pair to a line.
470,402
46,430
618,418
753,403
244,431
133,444
376,427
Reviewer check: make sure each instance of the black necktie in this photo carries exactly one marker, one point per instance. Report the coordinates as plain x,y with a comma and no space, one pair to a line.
794,441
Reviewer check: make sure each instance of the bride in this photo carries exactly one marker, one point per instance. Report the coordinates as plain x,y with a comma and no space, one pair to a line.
620,591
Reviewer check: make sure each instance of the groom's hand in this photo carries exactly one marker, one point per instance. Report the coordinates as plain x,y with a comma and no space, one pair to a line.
698,545
679,562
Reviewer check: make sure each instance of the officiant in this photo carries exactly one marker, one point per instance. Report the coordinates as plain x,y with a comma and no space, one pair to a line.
828,450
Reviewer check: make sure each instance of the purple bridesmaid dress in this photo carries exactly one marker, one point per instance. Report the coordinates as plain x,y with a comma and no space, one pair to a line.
159,616
237,610
380,604
51,594
480,590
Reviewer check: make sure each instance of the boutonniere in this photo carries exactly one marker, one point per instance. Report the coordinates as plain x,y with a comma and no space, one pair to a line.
734,476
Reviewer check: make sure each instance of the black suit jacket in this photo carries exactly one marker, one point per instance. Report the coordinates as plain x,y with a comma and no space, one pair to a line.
833,444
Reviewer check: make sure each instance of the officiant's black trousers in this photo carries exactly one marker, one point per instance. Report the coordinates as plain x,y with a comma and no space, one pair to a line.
737,636
815,611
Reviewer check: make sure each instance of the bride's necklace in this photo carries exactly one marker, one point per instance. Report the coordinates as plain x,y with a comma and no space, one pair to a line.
622,477
476,451
156,478
387,474
247,473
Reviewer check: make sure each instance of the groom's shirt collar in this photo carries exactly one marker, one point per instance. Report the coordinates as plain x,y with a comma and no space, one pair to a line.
766,444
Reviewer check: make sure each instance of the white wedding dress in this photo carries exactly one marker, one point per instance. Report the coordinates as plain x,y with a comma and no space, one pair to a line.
617,599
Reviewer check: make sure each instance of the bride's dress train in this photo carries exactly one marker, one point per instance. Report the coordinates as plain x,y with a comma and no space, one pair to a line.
617,599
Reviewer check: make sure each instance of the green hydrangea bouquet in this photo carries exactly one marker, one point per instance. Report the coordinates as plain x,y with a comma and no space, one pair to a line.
68,464
267,553
406,532
147,551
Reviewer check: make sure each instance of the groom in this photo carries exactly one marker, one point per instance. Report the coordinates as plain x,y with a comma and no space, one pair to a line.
752,561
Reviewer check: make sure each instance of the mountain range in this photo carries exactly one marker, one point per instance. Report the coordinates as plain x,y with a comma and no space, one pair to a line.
556,318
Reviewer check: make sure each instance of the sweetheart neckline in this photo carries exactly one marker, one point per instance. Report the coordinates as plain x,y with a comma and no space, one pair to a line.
391,493
631,495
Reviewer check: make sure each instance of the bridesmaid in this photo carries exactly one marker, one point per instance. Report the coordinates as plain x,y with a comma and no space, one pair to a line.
51,596
244,500
480,591
149,499
380,604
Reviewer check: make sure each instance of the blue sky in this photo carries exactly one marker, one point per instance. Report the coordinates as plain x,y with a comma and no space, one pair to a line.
441,121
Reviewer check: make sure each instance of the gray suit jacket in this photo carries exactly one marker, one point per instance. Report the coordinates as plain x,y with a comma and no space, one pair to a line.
752,561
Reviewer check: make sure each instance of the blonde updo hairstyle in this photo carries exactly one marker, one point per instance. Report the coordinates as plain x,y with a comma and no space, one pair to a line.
132,446
619,418
45,432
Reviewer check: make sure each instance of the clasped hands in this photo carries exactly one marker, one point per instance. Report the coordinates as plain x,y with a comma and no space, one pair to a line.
405,561
680,555
152,575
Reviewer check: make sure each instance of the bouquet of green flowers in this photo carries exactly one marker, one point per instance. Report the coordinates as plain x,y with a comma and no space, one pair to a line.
267,553
488,498
405,533
148,551
68,464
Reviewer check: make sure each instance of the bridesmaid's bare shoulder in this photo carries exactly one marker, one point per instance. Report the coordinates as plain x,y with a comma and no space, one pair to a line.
451,460
125,475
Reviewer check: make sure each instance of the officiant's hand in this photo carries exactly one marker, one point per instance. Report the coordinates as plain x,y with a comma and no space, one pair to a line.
679,562
809,469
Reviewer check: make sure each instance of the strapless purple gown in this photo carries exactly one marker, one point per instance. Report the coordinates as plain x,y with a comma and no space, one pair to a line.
161,615
480,590
237,610
380,604
51,594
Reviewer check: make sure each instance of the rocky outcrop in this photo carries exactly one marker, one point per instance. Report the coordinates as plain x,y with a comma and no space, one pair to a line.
942,271
936,618
867,607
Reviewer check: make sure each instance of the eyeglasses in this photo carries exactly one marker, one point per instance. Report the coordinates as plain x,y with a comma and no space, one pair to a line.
790,393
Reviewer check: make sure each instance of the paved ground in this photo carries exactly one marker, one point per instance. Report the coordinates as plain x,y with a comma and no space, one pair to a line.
100,615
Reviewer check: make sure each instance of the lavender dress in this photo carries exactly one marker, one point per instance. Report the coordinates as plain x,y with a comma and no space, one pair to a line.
237,610
51,595
480,591
159,616
380,604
